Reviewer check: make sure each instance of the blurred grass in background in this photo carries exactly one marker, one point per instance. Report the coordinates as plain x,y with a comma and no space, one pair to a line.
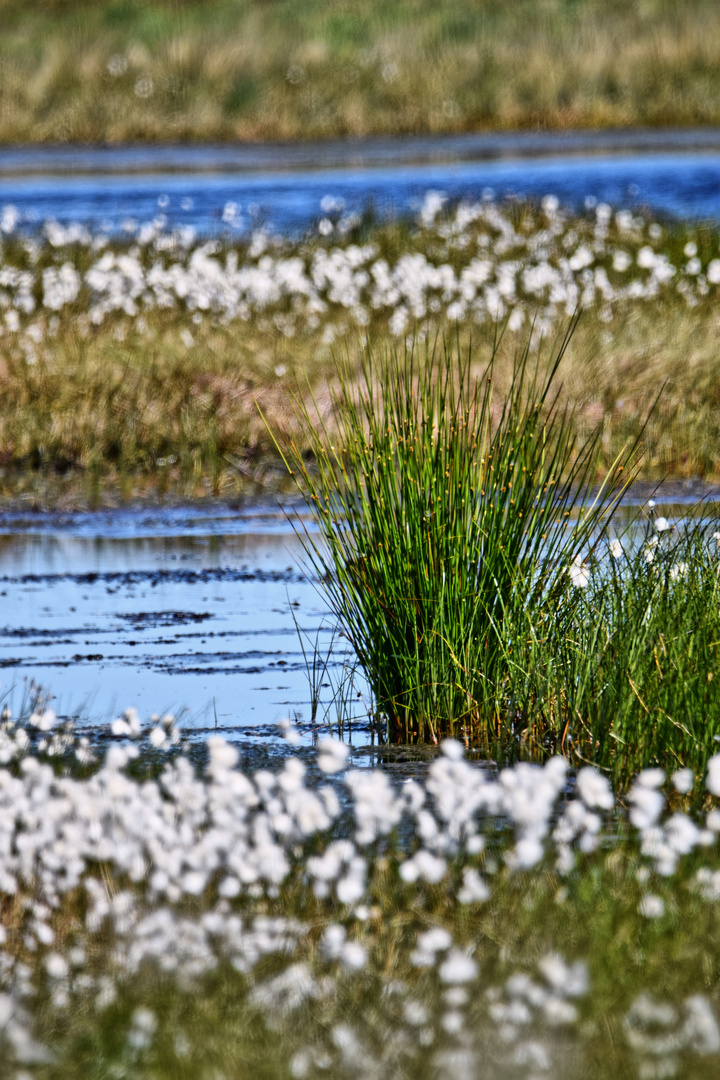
96,70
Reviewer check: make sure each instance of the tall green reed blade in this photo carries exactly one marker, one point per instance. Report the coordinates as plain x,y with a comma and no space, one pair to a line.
448,522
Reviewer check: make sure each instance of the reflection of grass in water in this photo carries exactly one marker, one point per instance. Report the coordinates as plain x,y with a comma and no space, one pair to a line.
220,70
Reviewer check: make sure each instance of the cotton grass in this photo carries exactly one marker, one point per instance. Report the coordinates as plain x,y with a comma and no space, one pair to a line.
167,910
130,361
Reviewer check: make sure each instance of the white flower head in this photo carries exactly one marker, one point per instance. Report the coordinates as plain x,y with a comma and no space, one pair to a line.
713,775
579,573
652,906
332,756
683,780
458,968
144,87
222,754
44,720
452,749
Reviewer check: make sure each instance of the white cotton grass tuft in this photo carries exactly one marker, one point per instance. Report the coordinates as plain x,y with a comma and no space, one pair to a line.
683,780
457,968
472,266
332,755
43,720
713,775
579,573
222,755
594,788
452,749
652,906
197,865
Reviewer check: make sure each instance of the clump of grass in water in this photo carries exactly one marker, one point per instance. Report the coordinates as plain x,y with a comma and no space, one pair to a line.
643,654
448,523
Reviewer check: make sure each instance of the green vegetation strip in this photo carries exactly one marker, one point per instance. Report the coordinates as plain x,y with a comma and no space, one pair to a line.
135,368
121,70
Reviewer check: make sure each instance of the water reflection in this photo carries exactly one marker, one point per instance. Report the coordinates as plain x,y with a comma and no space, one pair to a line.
198,621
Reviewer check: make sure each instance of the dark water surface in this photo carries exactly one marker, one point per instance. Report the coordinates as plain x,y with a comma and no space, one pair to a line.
674,173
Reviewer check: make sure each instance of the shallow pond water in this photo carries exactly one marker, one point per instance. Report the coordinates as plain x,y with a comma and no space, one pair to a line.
183,611
673,172
189,610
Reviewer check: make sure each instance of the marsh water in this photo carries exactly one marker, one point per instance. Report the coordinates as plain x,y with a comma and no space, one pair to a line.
198,611
287,187
185,610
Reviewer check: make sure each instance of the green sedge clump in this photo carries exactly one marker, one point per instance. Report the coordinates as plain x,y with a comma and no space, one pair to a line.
444,515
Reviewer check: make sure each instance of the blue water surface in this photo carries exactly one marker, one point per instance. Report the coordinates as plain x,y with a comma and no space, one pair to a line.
669,174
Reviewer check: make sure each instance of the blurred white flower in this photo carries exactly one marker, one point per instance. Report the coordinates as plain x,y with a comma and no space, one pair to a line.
615,548
683,780
579,573
652,906
332,755
457,968
713,775
157,737
117,65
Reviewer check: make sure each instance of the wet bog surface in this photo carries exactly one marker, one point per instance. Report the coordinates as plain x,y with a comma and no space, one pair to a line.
186,611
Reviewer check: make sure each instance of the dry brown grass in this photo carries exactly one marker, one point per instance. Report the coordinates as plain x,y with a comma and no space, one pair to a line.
252,70
94,417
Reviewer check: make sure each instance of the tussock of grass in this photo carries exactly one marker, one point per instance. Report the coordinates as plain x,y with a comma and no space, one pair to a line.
479,585
445,513
640,662
217,69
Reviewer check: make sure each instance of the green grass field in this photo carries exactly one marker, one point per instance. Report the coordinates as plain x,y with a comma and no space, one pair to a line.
164,70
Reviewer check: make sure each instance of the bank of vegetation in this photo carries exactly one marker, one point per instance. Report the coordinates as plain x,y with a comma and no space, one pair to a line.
135,364
168,911
125,70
